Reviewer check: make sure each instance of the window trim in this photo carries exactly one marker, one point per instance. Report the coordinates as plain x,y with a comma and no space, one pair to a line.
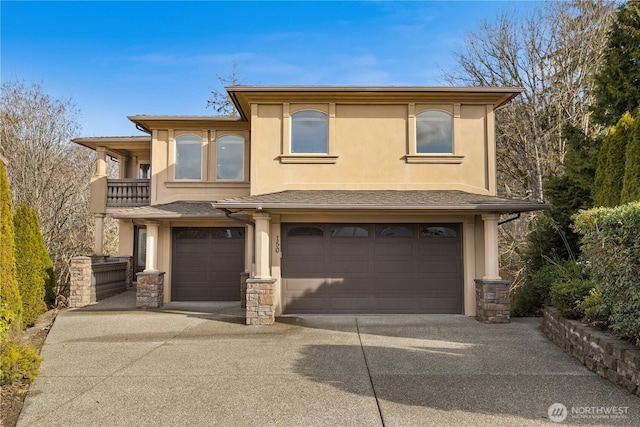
286,156
244,154
413,156
174,161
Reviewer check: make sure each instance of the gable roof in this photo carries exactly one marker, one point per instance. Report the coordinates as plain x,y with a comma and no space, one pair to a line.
432,200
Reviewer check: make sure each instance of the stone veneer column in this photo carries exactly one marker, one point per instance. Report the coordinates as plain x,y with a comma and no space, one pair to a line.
150,292
260,302
243,289
493,304
80,286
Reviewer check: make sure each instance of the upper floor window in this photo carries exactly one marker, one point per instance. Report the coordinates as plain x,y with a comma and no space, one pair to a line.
230,158
434,133
188,157
309,132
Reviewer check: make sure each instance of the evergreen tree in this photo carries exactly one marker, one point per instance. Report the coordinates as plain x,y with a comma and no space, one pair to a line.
618,81
631,181
10,302
611,163
32,262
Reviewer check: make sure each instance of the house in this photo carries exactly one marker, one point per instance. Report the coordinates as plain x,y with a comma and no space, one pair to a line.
321,200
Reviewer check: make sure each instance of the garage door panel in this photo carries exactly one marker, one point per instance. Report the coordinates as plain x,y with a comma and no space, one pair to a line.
438,251
448,266
401,248
393,266
301,285
347,266
206,263
383,274
312,268
344,247
306,247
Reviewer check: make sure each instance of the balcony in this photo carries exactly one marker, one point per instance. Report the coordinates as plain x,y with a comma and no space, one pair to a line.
127,193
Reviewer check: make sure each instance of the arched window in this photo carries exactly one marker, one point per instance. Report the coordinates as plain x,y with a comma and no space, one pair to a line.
188,157
434,133
230,158
309,132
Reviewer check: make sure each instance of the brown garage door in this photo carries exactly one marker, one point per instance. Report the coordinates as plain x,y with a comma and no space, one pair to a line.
207,263
372,268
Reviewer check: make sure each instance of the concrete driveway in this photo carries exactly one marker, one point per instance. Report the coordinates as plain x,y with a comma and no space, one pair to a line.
199,365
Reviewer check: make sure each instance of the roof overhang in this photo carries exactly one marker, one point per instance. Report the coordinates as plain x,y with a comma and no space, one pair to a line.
381,200
174,210
147,123
116,145
244,96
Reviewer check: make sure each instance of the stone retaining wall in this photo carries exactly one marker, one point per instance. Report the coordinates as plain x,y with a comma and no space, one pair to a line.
611,358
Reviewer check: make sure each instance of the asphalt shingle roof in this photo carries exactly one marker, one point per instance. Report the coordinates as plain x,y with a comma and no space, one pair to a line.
381,199
335,199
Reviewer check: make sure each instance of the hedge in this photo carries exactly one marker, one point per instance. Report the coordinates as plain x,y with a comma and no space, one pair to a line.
32,262
611,243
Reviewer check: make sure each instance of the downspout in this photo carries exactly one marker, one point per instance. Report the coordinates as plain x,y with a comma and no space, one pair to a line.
513,218
228,214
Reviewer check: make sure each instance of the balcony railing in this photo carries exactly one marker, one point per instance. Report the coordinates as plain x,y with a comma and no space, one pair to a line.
126,193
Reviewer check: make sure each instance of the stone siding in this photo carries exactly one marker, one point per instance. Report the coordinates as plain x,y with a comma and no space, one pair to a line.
493,304
243,289
260,302
80,286
150,290
611,358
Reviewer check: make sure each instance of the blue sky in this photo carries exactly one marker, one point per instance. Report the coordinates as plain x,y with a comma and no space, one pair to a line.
122,58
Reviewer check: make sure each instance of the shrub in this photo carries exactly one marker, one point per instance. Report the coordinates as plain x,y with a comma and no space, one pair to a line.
32,262
595,311
567,296
18,362
610,239
529,298
10,302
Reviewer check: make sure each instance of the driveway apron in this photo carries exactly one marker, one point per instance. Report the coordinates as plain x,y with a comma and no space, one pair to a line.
199,365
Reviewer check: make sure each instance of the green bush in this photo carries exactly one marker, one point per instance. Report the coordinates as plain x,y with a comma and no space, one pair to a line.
32,262
594,307
10,301
610,239
567,296
529,298
18,362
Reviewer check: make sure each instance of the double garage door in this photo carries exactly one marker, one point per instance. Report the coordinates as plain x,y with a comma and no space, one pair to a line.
372,268
207,263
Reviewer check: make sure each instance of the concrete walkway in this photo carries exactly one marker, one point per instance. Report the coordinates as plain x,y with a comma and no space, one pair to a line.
199,365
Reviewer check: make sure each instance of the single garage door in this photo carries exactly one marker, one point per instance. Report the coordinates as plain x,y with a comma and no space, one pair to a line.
207,263
372,268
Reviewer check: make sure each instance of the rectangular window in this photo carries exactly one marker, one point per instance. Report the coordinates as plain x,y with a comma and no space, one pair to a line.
188,157
230,158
